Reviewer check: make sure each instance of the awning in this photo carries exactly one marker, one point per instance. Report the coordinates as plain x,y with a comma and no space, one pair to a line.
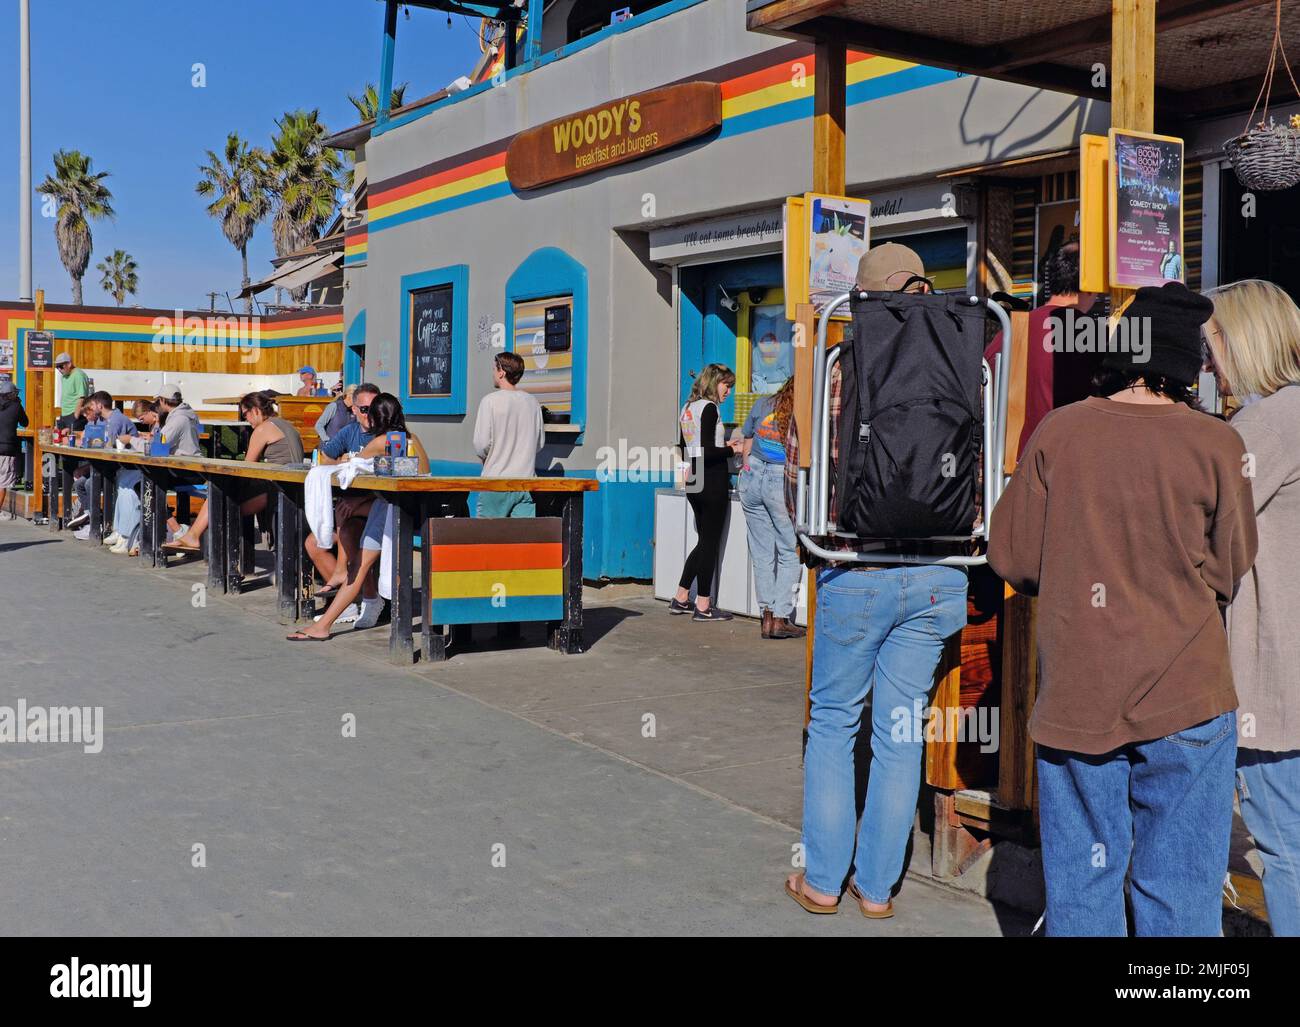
294,273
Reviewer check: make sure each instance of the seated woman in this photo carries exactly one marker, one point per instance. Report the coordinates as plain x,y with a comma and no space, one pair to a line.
274,440
385,416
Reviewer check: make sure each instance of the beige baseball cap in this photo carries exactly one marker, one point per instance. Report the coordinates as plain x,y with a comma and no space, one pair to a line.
887,267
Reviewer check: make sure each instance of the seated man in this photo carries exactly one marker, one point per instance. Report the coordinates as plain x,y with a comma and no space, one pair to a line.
112,425
350,512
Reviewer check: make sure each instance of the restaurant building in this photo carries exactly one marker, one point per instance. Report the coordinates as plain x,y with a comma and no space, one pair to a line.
610,206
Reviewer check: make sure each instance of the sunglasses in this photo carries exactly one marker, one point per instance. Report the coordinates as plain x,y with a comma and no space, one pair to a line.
362,409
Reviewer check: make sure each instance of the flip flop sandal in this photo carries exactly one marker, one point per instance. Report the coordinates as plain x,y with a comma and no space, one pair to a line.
176,547
870,914
299,636
327,593
807,903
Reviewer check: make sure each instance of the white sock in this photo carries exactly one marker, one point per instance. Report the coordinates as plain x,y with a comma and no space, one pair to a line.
348,615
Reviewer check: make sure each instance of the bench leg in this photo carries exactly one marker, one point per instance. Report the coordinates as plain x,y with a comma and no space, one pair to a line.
153,518
566,637
96,494
433,643
248,529
52,471
234,543
401,644
110,500
216,536
65,514
288,556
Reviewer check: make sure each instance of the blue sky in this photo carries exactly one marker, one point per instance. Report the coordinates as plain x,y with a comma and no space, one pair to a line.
114,81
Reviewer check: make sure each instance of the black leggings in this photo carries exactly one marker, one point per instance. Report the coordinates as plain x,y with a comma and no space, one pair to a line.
710,506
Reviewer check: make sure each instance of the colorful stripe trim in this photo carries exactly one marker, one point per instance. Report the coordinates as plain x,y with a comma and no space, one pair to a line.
539,581
355,245
757,93
482,610
184,327
491,557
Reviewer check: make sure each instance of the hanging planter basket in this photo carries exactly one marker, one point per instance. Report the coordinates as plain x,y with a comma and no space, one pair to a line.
1266,156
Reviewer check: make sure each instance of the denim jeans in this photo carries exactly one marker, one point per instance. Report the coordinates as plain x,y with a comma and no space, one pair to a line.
1160,811
771,536
1268,787
126,509
881,630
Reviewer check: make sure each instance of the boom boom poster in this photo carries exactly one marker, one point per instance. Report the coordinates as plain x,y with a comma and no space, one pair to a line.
1146,202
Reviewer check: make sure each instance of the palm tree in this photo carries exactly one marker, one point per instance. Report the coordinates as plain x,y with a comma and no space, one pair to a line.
306,179
238,183
367,104
118,275
82,196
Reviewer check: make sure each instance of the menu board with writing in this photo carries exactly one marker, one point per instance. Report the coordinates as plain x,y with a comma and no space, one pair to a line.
431,341
1146,202
40,350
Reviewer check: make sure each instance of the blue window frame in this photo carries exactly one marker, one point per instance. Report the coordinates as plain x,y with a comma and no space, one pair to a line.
549,273
452,400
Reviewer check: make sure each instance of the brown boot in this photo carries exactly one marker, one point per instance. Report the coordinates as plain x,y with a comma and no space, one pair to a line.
768,618
784,627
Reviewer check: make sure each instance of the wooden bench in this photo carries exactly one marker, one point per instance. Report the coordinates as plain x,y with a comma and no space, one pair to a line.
454,554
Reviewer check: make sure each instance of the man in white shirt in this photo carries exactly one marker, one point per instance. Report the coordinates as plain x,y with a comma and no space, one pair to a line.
507,437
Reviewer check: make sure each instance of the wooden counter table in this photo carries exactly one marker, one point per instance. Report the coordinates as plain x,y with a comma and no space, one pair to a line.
551,542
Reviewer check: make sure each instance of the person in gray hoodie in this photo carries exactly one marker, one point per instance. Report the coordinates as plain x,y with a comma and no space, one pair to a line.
1254,342
180,430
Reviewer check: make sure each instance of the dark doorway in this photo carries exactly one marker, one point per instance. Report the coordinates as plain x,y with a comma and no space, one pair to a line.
1265,245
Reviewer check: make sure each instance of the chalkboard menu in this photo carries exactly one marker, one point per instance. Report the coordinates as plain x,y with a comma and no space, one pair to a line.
430,342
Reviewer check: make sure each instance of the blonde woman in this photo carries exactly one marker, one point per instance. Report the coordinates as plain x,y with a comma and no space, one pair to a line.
1254,339
708,488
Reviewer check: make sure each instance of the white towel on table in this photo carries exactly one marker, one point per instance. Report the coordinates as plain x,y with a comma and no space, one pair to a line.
318,495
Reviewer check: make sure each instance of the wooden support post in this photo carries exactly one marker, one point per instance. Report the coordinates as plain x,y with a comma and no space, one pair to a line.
829,101
1019,688
566,637
433,642
1132,78
153,517
95,495
40,399
401,644
65,479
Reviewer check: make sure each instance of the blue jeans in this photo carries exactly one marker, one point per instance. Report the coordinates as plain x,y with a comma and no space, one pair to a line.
506,504
881,630
126,509
771,536
1268,787
1160,811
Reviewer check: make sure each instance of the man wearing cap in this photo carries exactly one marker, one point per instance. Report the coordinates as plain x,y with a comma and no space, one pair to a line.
879,631
310,386
1130,516
74,388
180,430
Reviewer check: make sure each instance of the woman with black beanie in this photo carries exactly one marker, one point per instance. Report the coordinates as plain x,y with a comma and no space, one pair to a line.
708,488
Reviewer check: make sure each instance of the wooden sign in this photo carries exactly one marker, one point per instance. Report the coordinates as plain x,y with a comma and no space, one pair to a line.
613,133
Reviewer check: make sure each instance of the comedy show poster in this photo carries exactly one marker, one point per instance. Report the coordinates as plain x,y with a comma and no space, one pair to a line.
1146,201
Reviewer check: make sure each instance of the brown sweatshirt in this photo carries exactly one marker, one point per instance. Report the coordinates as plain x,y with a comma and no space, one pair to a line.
1132,524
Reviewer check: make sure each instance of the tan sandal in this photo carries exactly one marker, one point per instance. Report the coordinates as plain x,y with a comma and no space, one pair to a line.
808,904
870,914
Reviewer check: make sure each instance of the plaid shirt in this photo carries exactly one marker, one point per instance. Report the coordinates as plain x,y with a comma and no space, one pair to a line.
846,545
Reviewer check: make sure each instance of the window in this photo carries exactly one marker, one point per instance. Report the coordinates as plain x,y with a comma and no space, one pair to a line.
546,311
435,330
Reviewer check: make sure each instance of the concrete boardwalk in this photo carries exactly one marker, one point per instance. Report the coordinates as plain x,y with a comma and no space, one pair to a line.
219,733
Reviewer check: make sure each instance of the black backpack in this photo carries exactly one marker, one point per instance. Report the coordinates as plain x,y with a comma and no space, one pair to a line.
911,426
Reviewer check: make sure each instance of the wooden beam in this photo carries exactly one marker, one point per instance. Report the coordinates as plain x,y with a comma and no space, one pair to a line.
829,99
1094,32
785,13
